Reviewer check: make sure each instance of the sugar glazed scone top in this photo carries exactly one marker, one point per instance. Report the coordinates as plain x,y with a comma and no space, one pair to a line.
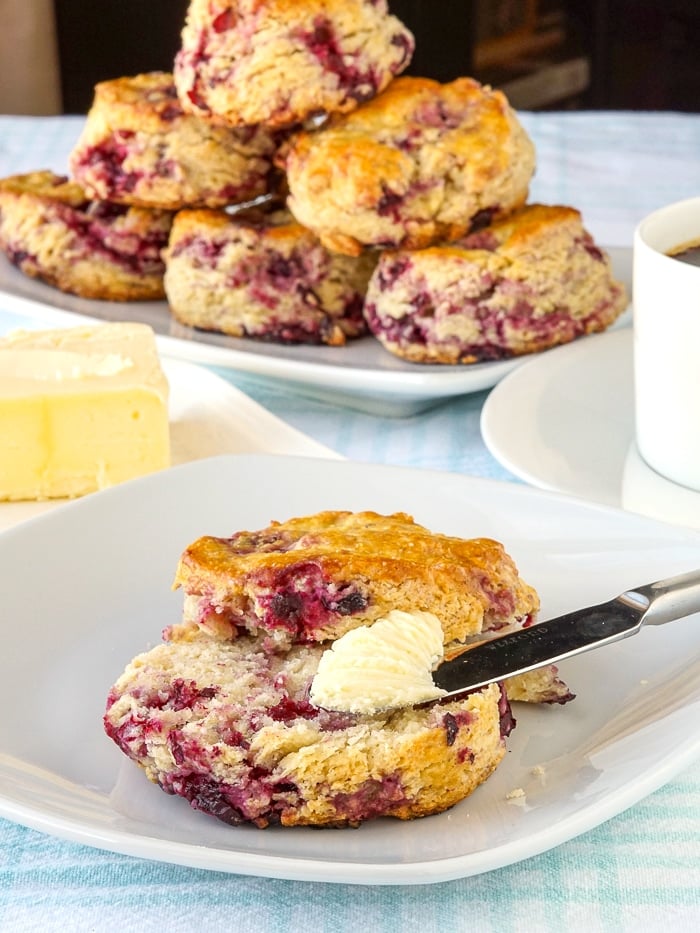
312,579
421,162
139,147
279,62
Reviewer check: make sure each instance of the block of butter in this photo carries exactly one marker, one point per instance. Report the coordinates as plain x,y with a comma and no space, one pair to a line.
81,408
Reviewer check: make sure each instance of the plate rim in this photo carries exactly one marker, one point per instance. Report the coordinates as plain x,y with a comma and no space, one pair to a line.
435,380
293,868
509,387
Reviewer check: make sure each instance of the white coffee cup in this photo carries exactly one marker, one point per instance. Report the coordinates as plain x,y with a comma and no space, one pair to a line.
666,322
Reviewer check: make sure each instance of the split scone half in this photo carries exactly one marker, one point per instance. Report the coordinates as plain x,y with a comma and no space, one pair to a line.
314,578
228,726
224,713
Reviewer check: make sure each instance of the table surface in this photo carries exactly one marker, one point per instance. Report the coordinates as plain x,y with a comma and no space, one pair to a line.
638,871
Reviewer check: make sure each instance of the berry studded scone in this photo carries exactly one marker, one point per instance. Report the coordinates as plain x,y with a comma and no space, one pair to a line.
262,275
52,231
229,726
314,578
298,688
421,162
139,147
278,63
522,284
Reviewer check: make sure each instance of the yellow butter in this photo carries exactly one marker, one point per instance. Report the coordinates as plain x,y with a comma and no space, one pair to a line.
81,408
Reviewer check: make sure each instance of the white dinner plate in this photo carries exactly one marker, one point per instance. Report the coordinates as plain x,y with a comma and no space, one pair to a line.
208,416
88,586
565,421
361,374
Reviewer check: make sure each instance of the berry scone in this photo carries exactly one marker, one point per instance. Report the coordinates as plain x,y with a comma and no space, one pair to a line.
278,63
52,231
522,284
262,275
296,691
423,161
314,578
229,726
139,147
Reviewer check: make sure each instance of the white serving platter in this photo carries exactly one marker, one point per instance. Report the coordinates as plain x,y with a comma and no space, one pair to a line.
360,374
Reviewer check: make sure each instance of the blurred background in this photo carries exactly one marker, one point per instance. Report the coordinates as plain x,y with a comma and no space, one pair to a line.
545,54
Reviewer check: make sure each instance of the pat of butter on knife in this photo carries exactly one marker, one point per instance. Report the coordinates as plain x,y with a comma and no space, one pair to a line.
384,665
81,409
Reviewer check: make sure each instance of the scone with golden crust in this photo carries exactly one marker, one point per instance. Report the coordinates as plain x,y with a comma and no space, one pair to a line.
229,727
421,162
255,274
52,231
313,578
524,283
278,62
139,147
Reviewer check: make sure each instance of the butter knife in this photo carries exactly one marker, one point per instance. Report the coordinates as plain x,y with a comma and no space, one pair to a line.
566,636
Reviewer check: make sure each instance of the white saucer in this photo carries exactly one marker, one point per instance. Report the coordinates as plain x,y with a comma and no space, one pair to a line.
565,421
646,491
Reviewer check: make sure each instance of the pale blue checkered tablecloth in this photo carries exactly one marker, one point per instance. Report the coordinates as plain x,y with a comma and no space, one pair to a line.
638,872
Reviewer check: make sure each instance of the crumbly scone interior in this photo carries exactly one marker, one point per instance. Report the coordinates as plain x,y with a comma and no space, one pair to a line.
228,726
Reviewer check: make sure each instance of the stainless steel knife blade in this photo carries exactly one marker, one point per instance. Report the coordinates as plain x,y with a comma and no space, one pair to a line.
582,630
